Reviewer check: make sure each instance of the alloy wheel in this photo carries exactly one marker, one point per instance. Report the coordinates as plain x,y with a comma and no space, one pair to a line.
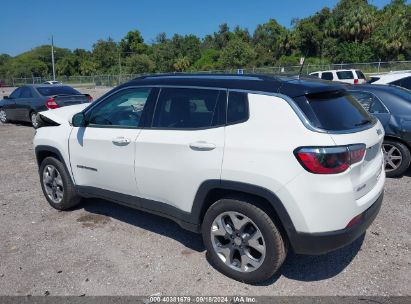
34,121
53,184
392,157
3,116
238,241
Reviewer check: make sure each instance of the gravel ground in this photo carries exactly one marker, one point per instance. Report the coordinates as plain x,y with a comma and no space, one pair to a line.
105,249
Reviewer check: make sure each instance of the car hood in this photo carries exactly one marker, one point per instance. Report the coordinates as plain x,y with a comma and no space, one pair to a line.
64,115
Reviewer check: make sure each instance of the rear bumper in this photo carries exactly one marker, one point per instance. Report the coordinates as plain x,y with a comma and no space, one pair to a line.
324,242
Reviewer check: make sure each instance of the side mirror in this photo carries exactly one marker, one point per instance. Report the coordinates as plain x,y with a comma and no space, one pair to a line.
6,97
79,120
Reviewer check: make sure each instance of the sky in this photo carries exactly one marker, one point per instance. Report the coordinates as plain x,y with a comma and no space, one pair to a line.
25,24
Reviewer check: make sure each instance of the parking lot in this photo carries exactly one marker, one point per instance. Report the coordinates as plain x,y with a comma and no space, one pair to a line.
102,248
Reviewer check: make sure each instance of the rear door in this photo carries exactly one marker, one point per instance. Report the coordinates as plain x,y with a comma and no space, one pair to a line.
102,154
23,104
182,147
10,105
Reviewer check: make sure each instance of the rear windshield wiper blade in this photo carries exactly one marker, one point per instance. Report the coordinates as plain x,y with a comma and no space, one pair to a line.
363,122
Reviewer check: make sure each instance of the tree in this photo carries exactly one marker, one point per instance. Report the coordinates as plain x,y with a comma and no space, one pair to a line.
133,43
139,64
181,64
105,55
237,54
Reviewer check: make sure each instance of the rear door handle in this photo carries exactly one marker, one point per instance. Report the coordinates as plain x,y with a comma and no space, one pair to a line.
202,146
121,141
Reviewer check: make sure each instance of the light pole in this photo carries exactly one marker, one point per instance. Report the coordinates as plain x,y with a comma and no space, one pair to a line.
52,57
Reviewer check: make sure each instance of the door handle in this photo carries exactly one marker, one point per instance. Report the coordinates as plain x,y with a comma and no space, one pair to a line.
121,141
202,146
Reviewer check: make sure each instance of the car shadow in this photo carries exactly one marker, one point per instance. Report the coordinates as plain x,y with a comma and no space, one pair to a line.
296,267
144,220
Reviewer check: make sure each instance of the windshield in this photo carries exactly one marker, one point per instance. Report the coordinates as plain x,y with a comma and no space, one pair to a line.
60,90
334,111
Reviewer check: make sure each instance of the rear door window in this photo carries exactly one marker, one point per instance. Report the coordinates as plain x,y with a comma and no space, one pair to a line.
334,111
344,75
185,108
25,93
405,83
327,76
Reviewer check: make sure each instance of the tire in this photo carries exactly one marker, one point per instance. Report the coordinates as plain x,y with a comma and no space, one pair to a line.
396,157
248,242
3,116
33,120
59,192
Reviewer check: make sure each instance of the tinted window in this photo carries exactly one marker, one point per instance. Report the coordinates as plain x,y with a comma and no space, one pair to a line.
187,108
369,102
314,74
16,93
405,83
237,109
57,90
334,111
360,75
327,76
25,93
124,108
345,75
373,79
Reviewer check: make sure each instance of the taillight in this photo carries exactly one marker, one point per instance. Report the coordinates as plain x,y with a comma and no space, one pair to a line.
90,99
51,104
356,81
329,160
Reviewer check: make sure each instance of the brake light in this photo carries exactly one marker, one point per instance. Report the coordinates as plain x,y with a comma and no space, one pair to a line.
90,99
329,160
51,104
356,81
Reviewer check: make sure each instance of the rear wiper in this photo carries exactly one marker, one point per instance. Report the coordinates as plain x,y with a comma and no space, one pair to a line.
363,122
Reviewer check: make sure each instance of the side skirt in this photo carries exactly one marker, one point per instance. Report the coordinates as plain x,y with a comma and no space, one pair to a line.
184,219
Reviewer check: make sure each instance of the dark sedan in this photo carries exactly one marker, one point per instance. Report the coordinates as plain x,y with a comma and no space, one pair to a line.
392,106
26,101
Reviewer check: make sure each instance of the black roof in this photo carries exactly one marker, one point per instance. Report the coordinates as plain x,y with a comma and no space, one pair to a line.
290,86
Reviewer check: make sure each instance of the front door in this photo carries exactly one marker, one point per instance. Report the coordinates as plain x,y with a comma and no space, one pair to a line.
102,153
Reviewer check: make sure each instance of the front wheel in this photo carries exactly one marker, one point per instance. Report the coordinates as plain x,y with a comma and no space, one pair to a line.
57,185
242,241
396,158
3,116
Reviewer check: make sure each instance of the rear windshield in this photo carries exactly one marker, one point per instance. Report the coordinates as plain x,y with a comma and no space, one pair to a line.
345,75
360,75
334,111
53,90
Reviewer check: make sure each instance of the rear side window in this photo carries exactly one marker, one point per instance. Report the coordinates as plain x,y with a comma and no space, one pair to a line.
57,90
334,111
237,109
182,108
345,75
360,74
327,76
405,83
369,102
314,74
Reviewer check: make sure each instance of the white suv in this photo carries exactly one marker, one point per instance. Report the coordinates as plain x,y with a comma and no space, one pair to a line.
346,76
400,78
257,164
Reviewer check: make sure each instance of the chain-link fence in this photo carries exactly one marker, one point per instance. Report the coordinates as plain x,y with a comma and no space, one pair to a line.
368,68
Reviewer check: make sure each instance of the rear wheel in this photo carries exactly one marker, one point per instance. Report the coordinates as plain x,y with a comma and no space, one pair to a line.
33,119
57,185
396,158
242,241
3,116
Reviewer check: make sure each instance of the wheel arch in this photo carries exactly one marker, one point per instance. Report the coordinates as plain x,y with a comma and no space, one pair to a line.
42,152
212,190
400,140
